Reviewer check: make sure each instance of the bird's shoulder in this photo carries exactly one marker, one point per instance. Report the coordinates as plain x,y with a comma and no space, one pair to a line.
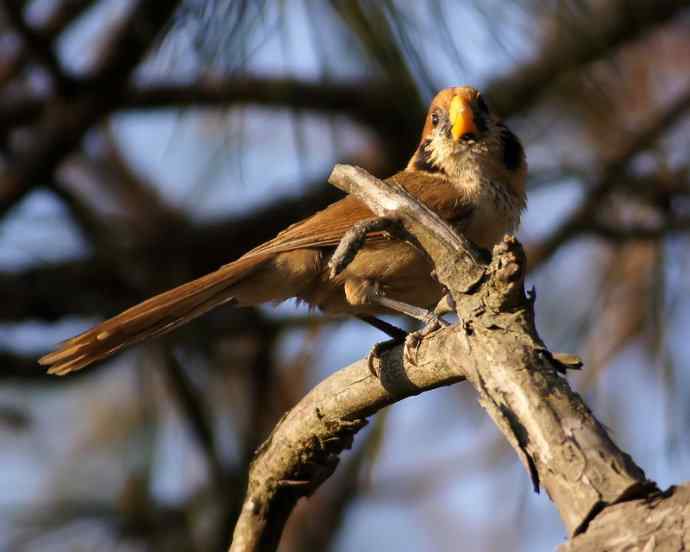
437,192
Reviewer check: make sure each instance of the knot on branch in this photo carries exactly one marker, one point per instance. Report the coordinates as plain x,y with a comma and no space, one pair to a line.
507,275
320,455
309,462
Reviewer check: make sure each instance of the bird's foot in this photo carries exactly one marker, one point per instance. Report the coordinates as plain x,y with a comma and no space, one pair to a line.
410,343
414,339
354,239
374,356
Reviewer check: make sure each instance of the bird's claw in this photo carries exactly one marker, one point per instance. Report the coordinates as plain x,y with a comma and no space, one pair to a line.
410,342
374,357
414,339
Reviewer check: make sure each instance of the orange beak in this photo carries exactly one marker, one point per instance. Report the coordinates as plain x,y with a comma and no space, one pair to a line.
461,118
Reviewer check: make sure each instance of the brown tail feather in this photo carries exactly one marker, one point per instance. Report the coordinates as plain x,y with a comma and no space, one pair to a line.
154,317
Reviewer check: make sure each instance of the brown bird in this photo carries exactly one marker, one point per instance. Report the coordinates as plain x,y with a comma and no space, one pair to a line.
469,168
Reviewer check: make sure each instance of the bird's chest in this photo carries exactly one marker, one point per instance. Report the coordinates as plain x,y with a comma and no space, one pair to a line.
495,213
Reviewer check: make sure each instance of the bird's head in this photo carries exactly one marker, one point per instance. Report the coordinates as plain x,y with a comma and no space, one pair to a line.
463,138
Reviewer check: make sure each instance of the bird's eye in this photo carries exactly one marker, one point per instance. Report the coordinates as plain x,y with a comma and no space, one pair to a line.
434,118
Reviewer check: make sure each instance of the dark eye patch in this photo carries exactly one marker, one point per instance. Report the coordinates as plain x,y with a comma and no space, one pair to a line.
480,119
481,114
422,159
513,153
434,118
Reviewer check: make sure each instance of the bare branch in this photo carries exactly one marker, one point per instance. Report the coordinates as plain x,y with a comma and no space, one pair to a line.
495,348
458,260
303,449
610,174
615,23
193,411
41,46
363,100
65,123
555,435
64,15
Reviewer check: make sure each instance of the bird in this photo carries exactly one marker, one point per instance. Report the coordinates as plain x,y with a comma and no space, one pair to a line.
468,167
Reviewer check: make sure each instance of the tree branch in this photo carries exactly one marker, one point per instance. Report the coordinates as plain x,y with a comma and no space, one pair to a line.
193,412
67,12
65,122
40,45
610,173
611,24
496,348
365,101
302,451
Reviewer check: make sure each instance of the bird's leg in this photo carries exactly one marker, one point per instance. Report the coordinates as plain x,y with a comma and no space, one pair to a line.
389,329
414,339
366,292
431,321
425,315
354,239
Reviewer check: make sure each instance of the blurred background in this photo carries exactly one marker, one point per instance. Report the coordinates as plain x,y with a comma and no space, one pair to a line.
144,143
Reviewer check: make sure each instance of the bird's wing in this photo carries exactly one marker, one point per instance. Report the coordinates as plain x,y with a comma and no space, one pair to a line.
164,312
327,227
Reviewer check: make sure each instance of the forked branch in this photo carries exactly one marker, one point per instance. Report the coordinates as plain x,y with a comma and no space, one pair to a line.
495,347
